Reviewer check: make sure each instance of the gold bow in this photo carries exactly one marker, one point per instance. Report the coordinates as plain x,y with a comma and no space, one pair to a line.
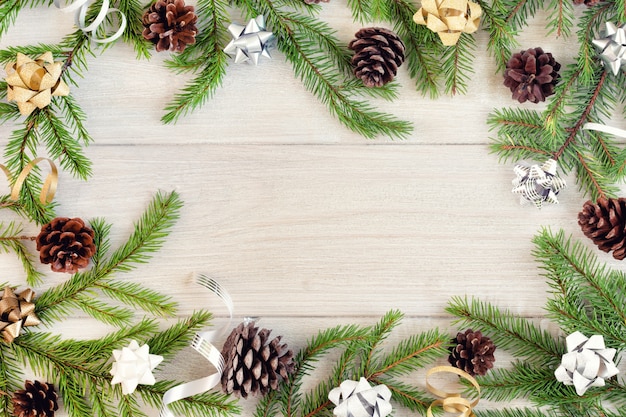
49,186
452,402
448,18
32,83
16,311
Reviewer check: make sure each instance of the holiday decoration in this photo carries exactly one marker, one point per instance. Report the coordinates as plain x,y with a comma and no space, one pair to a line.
16,311
378,53
531,75
316,1
133,366
67,244
604,222
95,27
452,401
252,364
449,18
587,362
537,184
250,42
588,3
360,399
37,399
170,25
50,184
32,83
472,352
612,47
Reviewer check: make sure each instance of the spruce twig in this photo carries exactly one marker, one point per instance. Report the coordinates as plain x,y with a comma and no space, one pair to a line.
12,240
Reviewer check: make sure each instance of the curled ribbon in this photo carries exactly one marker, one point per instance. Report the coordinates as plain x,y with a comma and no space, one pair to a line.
49,186
81,7
606,129
451,401
202,344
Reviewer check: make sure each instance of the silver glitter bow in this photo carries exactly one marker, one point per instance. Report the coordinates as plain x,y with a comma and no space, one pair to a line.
612,46
537,184
250,42
360,399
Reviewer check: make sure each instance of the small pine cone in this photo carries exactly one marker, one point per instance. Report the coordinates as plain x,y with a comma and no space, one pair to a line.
588,3
37,399
605,223
66,243
170,25
252,365
378,53
531,75
472,352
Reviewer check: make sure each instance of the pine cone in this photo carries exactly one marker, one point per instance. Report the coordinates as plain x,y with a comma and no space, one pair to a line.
472,352
37,399
252,365
531,75
378,53
66,243
170,25
605,223
588,3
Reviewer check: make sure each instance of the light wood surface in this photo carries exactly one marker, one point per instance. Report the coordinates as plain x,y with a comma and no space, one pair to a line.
305,223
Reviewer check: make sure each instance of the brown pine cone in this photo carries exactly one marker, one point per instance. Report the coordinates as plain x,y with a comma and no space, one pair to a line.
37,399
531,75
378,53
605,223
472,352
66,243
252,365
170,25
588,3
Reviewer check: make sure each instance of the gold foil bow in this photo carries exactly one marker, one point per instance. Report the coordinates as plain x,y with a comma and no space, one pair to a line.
452,402
449,18
16,311
49,186
32,83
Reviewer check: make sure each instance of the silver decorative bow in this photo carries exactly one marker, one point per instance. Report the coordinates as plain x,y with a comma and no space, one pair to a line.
537,184
250,42
360,399
612,46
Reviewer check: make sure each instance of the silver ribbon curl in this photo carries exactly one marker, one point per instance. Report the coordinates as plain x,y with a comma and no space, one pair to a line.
537,184
202,344
250,42
81,6
612,47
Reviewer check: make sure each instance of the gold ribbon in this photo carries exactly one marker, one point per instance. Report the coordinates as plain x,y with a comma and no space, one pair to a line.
16,311
49,186
448,18
452,402
32,83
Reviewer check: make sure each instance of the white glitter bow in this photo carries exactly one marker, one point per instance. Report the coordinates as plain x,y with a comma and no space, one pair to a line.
587,362
360,399
537,184
612,46
133,366
249,42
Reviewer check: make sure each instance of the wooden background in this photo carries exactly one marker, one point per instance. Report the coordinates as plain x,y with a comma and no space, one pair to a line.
305,223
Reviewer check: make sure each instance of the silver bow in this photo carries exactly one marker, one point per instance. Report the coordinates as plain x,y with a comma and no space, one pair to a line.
587,362
537,184
612,46
360,399
249,42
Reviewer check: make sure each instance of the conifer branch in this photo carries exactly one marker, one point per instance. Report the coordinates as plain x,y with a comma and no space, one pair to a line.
501,35
12,240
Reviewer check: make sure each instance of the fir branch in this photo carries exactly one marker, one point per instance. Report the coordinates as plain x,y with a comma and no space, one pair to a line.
591,177
407,395
457,64
519,11
319,73
10,374
518,335
178,336
133,10
74,117
9,9
378,334
561,17
8,111
501,35
101,311
135,295
516,412
101,240
11,239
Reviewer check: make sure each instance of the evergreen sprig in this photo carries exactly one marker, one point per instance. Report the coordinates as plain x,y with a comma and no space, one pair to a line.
361,354
12,240
587,296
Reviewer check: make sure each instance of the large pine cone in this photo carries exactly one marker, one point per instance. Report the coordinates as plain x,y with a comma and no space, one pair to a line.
170,25
605,223
378,53
66,243
37,399
531,75
472,352
252,365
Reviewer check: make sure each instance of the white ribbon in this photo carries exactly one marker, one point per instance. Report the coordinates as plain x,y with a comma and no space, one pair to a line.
81,6
606,129
202,344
